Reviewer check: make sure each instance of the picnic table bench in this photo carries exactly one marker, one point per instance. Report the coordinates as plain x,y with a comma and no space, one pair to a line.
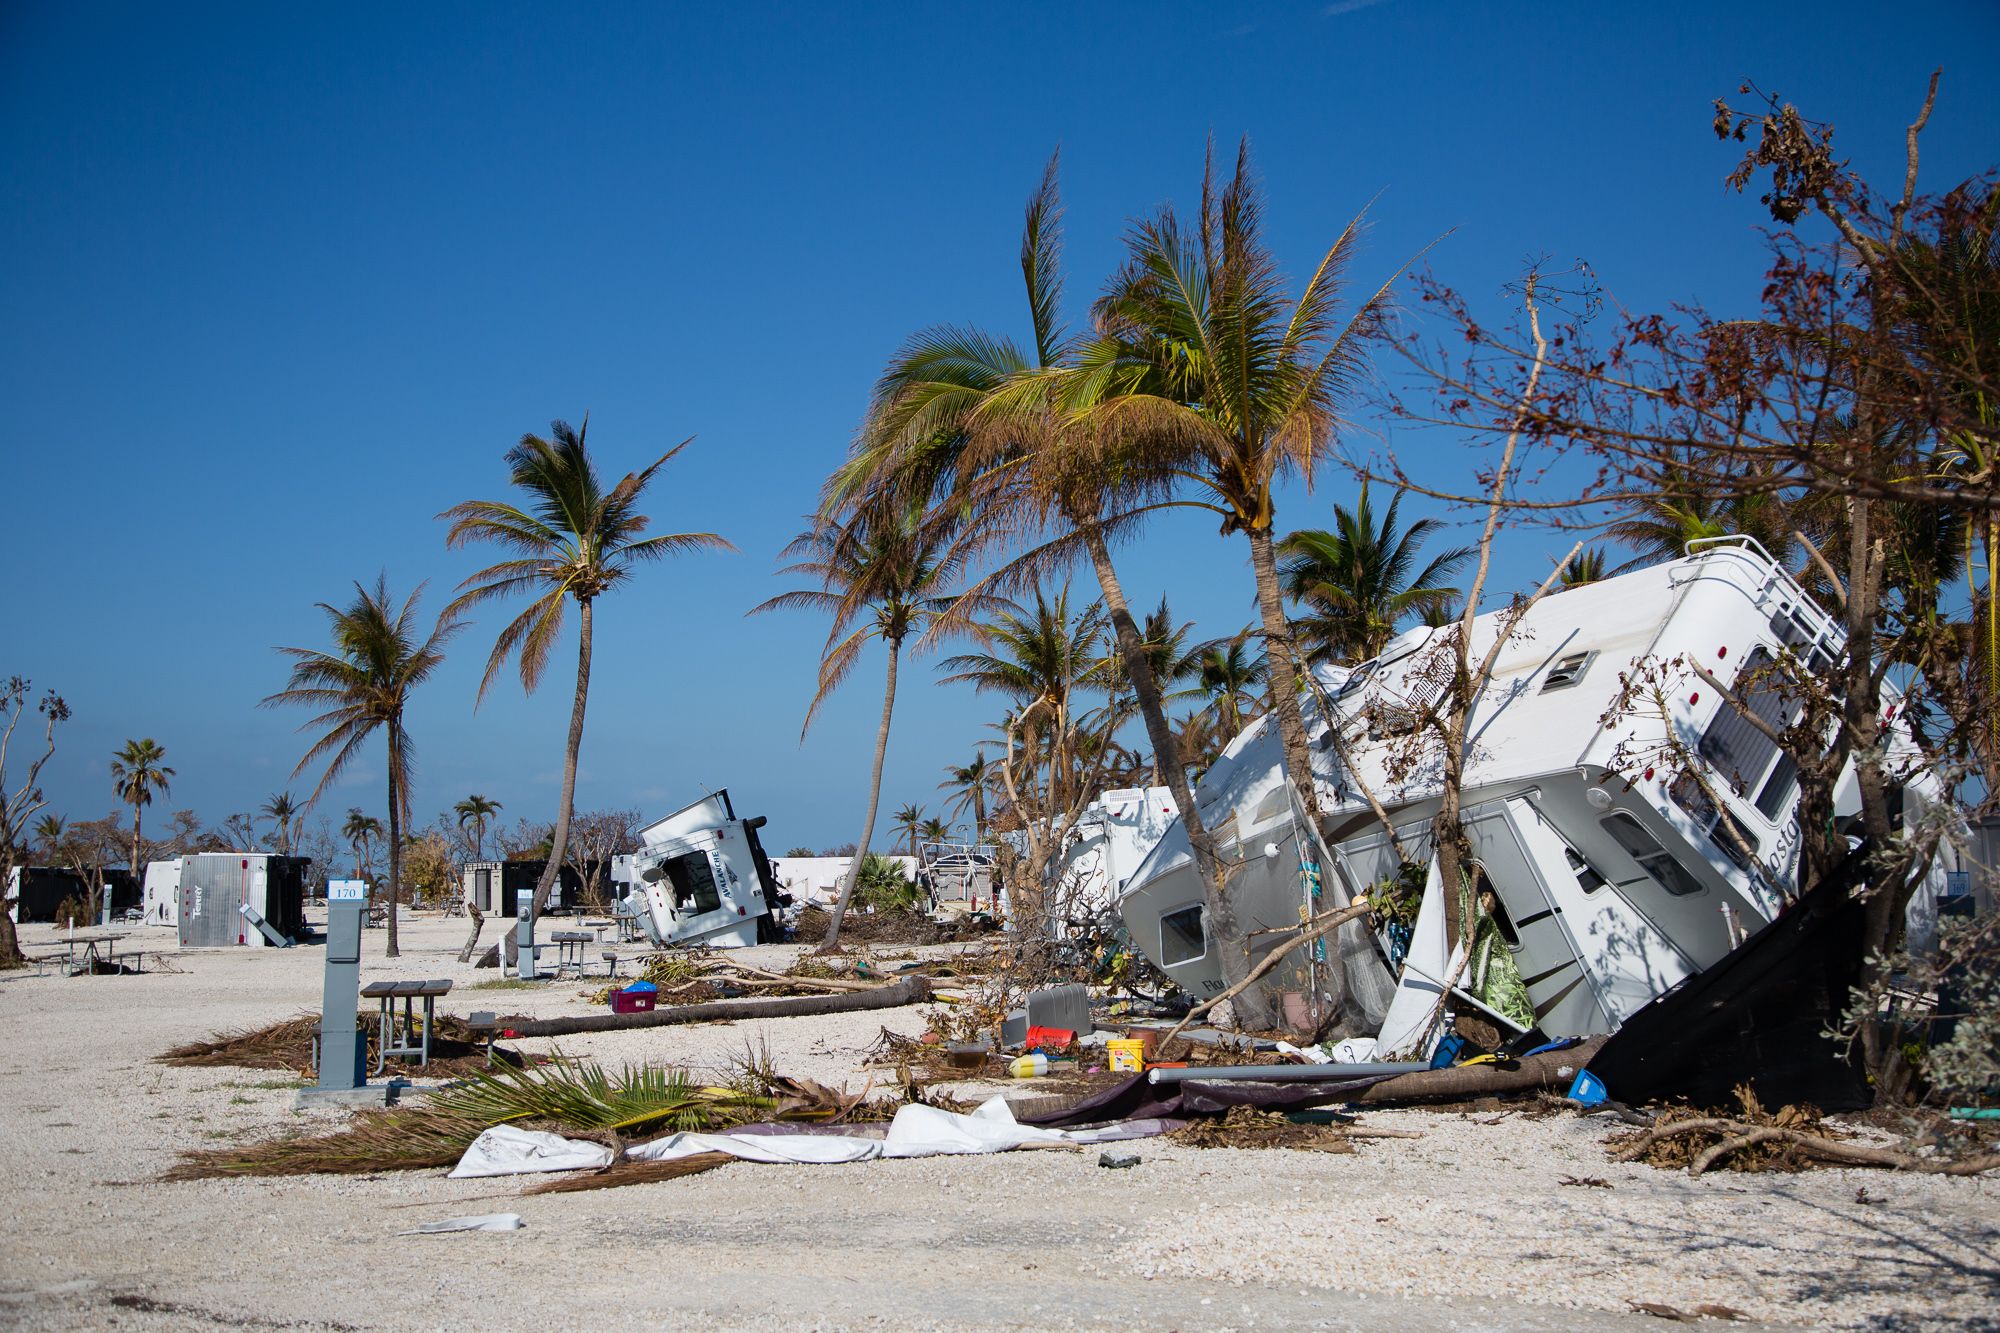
409,992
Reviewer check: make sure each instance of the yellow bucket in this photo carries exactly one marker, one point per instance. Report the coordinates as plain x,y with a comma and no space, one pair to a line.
1127,1057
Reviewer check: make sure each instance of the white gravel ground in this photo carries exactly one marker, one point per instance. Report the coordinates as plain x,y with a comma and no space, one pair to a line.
1467,1228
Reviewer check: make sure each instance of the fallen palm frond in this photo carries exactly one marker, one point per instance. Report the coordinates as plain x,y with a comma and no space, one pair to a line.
397,1139
629,1172
567,1095
1753,1139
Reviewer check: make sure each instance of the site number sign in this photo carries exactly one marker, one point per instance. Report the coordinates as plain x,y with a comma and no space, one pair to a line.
345,890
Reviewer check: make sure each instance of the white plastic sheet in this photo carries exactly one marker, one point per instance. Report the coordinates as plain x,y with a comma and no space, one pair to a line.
506,1151
489,1222
917,1131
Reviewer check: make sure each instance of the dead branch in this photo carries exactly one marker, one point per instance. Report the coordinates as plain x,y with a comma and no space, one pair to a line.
1847,1154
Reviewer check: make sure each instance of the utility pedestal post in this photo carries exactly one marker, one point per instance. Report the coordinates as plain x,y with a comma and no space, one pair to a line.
524,939
343,1055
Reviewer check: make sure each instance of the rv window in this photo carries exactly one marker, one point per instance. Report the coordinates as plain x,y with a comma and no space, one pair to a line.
1788,629
1355,680
1181,937
1688,795
694,886
1778,788
482,889
1567,672
1739,751
1670,874
1481,886
1586,879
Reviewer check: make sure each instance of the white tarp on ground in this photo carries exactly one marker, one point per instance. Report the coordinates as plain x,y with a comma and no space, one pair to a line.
917,1131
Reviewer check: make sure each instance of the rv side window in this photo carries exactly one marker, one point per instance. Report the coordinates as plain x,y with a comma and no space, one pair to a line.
482,889
1670,874
1586,879
1688,795
1481,888
694,886
1355,680
1738,750
1181,937
1567,672
1778,788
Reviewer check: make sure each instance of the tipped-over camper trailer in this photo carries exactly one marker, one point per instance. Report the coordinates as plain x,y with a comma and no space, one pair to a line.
213,887
1605,892
700,876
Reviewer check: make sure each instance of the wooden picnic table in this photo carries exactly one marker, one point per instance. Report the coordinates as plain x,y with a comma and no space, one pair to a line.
409,992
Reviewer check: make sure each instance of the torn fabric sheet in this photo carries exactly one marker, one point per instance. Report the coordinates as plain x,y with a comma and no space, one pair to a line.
506,1151
917,1131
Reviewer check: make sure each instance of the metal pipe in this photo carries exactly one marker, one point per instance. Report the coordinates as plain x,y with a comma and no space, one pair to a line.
1281,1073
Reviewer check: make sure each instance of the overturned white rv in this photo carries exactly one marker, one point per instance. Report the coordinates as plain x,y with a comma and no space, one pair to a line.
1608,893
701,877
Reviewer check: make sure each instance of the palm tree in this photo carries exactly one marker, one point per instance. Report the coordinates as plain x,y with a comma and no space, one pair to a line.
970,781
909,819
1660,527
1229,674
964,413
51,830
365,685
935,829
281,809
1591,566
884,575
476,809
359,830
138,773
1202,363
1358,579
579,542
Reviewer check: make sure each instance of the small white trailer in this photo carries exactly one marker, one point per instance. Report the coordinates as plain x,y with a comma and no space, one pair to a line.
160,900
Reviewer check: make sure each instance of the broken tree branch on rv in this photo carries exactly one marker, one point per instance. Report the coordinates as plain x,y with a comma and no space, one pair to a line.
1320,927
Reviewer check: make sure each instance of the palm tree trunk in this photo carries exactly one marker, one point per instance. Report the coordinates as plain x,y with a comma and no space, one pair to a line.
137,873
395,834
874,795
560,844
1221,913
1283,671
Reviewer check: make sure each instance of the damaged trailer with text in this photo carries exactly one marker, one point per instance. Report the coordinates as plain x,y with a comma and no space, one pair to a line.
1591,895
700,876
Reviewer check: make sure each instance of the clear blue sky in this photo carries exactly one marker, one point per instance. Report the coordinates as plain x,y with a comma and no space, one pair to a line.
281,284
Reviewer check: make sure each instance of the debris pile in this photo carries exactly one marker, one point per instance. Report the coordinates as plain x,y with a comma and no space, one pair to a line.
1254,1127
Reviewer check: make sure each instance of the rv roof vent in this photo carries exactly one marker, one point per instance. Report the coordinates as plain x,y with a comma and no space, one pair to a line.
1568,671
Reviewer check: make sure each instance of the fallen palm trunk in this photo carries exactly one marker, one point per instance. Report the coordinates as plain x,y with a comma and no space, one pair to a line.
1535,1071
1278,1073
915,990
830,983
